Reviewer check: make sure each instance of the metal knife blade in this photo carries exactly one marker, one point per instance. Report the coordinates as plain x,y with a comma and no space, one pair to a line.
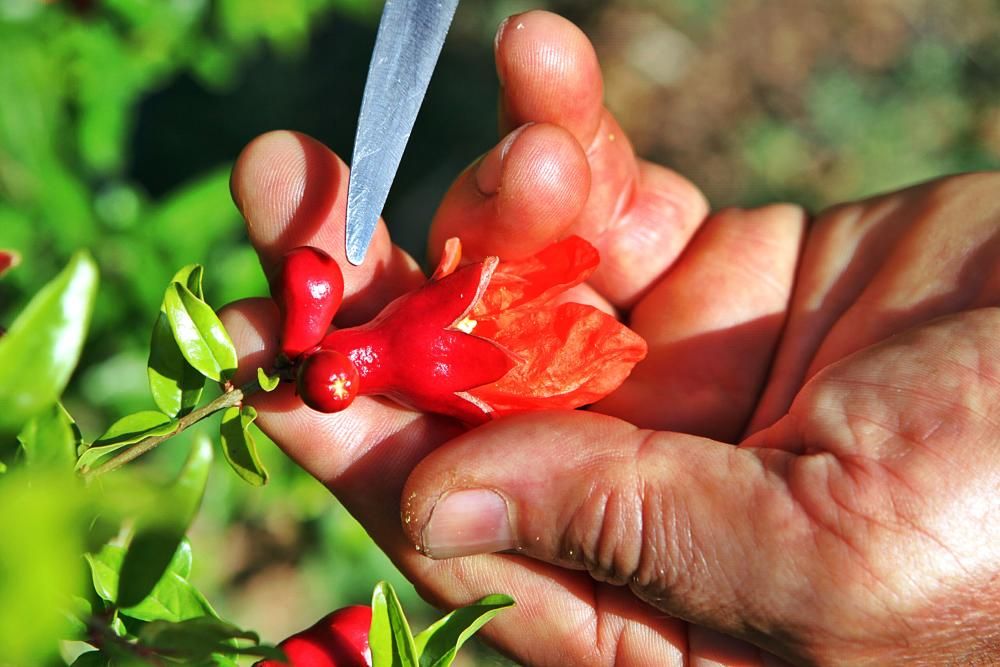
409,40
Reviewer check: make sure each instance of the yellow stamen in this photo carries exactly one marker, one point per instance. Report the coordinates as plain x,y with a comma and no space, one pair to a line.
466,325
339,388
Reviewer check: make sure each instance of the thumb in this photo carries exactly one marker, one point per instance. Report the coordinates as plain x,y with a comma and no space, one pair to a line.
697,528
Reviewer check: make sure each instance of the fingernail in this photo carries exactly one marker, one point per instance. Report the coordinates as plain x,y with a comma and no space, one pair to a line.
468,522
490,168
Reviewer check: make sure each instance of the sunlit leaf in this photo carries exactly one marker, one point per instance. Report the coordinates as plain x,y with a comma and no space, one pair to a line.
199,333
158,535
39,352
438,644
390,638
267,382
239,447
175,384
50,439
125,432
173,598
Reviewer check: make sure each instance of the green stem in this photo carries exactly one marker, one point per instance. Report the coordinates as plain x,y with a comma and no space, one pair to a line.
230,398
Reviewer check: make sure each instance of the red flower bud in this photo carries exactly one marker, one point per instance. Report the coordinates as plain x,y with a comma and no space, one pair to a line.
308,289
339,639
327,381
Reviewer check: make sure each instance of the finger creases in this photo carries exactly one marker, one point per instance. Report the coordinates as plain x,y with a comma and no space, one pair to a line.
630,507
292,191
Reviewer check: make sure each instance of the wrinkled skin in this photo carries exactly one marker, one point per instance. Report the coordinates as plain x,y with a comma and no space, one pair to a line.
855,360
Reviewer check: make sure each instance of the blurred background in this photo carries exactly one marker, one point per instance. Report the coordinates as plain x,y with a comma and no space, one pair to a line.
120,120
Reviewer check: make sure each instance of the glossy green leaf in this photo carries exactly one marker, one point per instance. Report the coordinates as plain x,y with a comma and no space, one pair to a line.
199,333
238,444
390,638
125,432
438,644
158,535
173,598
267,382
175,384
39,352
50,439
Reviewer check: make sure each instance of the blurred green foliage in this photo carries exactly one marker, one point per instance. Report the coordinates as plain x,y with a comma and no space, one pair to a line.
120,120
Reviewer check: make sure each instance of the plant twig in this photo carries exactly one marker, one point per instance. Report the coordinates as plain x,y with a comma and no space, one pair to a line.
231,398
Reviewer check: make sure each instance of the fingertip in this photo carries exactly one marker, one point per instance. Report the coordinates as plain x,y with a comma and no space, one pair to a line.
548,72
520,196
285,184
544,186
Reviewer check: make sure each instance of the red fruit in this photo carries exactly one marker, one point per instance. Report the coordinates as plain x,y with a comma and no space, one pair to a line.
339,639
328,381
308,289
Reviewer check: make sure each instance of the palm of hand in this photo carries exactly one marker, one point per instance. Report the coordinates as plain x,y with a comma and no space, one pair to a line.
855,515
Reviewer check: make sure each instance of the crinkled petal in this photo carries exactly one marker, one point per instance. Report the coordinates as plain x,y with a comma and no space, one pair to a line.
568,356
537,279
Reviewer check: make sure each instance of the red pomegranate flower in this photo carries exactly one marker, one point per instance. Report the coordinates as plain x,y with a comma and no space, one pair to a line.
486,339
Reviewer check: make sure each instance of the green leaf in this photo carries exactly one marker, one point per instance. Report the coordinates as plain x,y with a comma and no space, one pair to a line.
77,611
267,382
92,659
175,384
51,439
124,432
158,535
199,333
39,352
173,598
197,639
438,644
390,638
239,447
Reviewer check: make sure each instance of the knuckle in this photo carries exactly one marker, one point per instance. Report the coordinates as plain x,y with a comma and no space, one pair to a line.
629,530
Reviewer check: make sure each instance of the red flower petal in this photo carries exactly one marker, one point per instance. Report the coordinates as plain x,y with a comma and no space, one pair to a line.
443,303
538,278
569,355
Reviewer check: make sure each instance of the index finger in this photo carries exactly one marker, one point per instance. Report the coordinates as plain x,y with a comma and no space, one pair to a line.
292,191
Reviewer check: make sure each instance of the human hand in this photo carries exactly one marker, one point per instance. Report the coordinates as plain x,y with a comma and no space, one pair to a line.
770,541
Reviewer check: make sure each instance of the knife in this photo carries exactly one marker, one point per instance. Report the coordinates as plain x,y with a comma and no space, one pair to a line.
409,40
